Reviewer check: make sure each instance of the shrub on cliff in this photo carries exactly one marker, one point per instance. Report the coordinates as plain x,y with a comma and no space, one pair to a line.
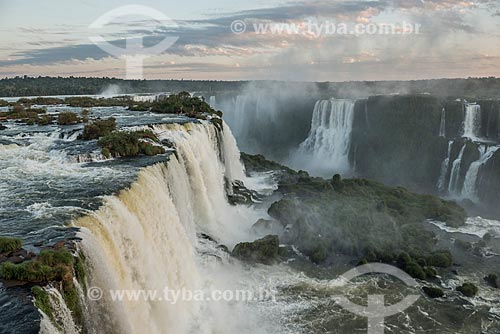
99,128
264,250
50,265
468,289
441,259
10,244
433,292
29,116
127,144
67,118
181,103
42,301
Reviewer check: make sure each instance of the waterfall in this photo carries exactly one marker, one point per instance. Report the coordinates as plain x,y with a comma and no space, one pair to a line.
145,238
470,184
366,115
212,101
442,127
472,121
444,168
62,315
455,171
326,149
234,169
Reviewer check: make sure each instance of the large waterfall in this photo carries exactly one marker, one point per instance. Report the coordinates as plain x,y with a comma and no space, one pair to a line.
470,184
145,238
326,149
472,121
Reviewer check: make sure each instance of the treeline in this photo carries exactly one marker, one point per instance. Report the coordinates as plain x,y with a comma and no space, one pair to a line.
47,86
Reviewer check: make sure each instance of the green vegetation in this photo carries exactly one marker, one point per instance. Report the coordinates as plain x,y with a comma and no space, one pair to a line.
442,259
433,292
468,289
40,86
50,265
359,217
181,103
258,163
89,102
99,128
264,250
42,301
127,144
416,265
80,270
68,118
8,245
41,101
30,116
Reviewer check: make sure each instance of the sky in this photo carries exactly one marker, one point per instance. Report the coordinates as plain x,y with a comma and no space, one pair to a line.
315,40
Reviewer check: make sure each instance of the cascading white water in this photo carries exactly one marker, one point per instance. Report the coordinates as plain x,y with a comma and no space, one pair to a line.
145,237
61,313
212,101
472,121
442,127
326,149
455,171
444,168
470,184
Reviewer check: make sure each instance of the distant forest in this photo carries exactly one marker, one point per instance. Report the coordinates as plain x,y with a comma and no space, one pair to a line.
47,86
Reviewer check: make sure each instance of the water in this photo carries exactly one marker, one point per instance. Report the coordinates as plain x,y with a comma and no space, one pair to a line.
442,126
155,243
470,190
326,149
212,101
455,172
140,221
472,121
444,168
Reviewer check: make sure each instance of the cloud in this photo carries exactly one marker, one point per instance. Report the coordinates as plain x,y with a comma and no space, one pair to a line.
211,37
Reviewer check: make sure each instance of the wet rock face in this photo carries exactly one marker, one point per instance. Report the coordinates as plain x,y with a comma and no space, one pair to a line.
265,250
395,140
490,119
489,184
241,194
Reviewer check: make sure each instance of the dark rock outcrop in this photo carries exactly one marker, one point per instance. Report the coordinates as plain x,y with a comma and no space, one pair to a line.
468,289
493,280
265,250
240,194
433,292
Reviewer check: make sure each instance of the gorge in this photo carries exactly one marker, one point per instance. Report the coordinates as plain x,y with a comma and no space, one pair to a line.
145,222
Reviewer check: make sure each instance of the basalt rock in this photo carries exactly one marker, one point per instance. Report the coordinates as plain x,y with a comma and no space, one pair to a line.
265,250
241,194
493,280
433,292
468,289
